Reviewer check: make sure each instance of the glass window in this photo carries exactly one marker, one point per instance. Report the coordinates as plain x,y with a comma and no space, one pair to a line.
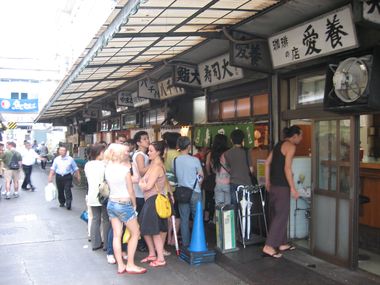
228,109
260,104
344,140
14,95
311,90
24,96
243,107
214,110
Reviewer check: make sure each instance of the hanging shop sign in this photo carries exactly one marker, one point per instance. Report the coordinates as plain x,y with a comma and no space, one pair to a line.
330,33
90,113
371,11
254,55
186,75
138,101
124,98
148,89
218,70
19,106
168,90
203,135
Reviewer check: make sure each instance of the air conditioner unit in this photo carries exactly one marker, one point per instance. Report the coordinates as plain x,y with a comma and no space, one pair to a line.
353,86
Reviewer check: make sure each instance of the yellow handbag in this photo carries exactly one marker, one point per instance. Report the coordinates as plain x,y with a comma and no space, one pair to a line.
163,206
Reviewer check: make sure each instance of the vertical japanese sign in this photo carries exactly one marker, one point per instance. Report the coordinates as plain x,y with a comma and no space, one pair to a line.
254,55
218,70
148,89
327,34
186,75
166,89
371,11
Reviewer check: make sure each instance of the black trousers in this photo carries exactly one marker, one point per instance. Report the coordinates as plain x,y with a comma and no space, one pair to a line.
43,162
28,172
64,187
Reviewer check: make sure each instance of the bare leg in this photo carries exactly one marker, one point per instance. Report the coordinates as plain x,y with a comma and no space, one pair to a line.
159,245
150,245
134,229
117,228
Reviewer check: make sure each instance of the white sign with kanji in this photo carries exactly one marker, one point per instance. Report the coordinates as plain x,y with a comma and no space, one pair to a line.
148,89
330,33
124,98
168,90
371,11
218,70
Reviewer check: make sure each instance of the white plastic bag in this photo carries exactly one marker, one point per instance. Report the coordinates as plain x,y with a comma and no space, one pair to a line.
50,192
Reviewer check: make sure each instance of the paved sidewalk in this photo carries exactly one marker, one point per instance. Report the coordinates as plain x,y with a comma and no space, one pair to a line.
41,243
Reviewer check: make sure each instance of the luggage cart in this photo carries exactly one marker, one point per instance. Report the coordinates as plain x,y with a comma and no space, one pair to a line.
251,210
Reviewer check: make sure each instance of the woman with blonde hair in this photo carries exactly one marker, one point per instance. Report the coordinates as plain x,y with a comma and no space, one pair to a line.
154,228
121,205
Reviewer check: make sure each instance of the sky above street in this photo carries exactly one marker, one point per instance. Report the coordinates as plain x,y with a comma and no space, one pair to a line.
47,35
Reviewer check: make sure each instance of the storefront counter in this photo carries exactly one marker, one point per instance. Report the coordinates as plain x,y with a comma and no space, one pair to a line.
370,188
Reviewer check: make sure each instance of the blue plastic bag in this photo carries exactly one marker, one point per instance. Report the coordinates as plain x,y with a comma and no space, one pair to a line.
84,216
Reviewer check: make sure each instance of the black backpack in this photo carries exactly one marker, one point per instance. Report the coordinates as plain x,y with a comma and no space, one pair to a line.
13,164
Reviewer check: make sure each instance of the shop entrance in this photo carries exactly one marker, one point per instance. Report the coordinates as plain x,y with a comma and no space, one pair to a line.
334,168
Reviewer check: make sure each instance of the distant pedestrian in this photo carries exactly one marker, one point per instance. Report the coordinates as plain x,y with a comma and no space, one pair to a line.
35,146
29,157
44,154
12,164
279,184
64,167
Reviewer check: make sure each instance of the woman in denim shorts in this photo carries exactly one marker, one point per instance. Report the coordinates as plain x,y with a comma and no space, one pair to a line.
122,205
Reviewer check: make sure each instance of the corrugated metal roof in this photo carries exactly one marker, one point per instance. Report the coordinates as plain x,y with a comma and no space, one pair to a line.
138,36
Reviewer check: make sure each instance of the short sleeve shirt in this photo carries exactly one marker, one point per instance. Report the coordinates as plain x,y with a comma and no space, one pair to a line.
186,169
236,160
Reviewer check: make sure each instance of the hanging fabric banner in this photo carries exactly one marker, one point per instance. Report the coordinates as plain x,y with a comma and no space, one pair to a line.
204,135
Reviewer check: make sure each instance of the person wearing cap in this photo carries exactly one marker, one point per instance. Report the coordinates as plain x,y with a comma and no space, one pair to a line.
189,173
44,154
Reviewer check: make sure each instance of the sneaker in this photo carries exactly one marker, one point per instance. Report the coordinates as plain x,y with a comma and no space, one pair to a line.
7,195
3,193
111,259
15,194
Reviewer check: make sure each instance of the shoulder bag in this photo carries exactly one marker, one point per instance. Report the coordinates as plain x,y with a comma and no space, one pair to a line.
104,192
162,203
183,194
14,164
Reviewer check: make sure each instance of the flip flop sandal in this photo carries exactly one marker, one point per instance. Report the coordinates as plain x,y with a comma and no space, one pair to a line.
123,271
148,259
138,271
290,247
166,253
157,263
275,254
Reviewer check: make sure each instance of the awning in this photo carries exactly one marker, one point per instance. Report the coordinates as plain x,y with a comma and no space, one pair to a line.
138,36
